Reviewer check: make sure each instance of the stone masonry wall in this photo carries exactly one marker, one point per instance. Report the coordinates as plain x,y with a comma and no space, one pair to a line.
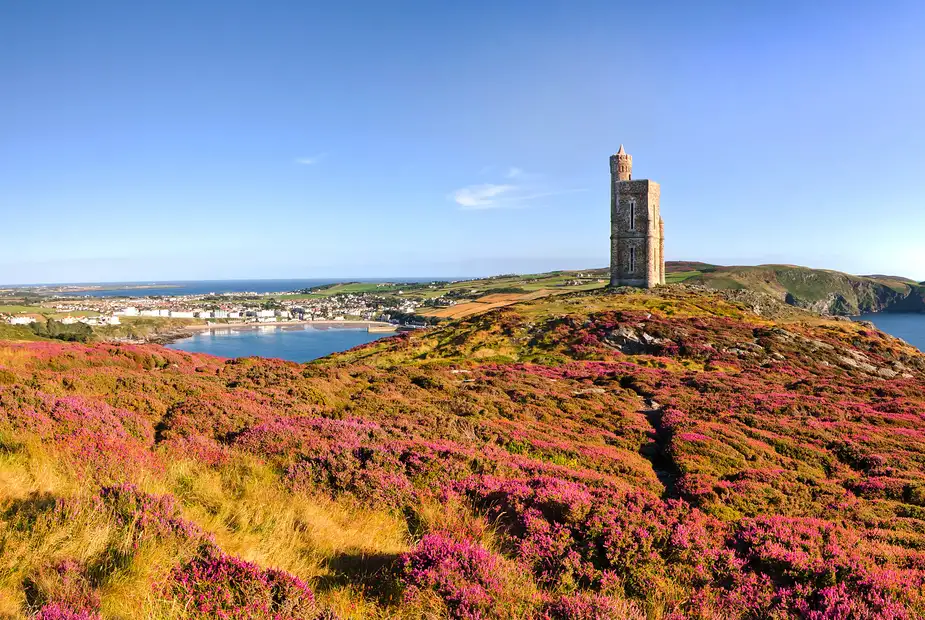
645,237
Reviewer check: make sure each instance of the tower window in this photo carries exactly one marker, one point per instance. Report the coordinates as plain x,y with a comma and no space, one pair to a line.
632,260
632,215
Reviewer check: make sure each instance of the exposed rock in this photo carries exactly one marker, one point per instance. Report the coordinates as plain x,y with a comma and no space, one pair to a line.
854,359
635,341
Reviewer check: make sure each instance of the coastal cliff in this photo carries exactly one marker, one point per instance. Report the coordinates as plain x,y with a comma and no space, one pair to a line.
819,290
622,454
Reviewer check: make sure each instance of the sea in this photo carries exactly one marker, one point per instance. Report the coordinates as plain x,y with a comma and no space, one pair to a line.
300,343
908,326
205,287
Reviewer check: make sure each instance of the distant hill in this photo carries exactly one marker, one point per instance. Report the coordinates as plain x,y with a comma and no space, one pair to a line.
820,290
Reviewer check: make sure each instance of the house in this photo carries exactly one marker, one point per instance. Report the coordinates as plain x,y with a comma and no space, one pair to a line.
20,320
130,311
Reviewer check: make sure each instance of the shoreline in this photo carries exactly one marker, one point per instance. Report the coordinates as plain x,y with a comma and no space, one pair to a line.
188,331
374,325
191,330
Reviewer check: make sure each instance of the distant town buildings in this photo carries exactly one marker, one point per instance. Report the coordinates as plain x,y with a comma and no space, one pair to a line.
216,308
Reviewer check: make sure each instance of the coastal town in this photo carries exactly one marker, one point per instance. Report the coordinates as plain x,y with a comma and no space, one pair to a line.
229,308
138,314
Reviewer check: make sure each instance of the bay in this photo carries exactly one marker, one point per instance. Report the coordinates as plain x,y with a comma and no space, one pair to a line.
908,326
293,343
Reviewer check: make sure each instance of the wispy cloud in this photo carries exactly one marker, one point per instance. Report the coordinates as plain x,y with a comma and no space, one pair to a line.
492,196
481,196
310,161
517,188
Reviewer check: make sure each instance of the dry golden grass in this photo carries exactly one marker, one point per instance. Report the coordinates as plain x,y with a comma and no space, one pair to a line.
489,302
244,507
14,358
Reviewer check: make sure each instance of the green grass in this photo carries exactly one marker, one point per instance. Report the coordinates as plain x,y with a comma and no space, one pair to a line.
680,276
17,332
19,309
141,327
529,283
59,315
722,283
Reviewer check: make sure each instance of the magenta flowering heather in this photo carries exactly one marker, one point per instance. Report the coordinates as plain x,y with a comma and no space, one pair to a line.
64,591
149,516
472,582
591,607
57,611
220,586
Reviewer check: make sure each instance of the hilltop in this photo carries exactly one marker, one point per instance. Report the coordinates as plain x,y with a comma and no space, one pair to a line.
628,454
820,290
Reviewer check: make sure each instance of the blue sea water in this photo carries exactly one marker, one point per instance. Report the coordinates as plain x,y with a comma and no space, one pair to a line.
203,287
910,327
293,343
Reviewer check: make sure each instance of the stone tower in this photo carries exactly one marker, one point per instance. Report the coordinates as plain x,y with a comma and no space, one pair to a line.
637,233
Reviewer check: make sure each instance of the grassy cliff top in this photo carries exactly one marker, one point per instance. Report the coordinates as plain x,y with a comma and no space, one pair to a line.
628,454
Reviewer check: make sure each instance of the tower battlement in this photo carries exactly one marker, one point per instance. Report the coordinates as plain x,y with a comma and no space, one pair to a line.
637,235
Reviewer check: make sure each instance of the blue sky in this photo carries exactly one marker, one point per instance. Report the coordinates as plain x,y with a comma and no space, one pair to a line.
189,140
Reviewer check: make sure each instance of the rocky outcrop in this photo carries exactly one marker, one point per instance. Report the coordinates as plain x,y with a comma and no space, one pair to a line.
635,341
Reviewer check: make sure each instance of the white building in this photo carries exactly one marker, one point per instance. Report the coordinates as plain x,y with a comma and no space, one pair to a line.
182,314
20,320
205,314
219,314
150,313
130,311
265,314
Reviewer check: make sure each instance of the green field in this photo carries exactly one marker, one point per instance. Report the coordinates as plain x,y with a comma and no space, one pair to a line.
681,276
16,332
528,283
19,309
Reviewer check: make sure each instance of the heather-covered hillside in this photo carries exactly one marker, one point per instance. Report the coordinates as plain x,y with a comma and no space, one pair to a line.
600,455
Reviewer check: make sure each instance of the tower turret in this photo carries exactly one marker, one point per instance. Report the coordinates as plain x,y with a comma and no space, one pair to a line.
621,165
